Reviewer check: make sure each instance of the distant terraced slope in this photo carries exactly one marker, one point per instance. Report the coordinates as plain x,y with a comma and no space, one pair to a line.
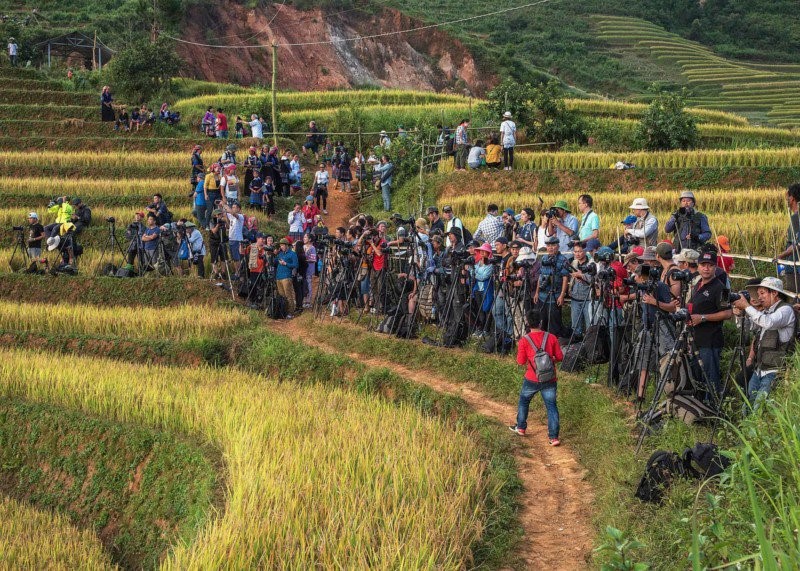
763,92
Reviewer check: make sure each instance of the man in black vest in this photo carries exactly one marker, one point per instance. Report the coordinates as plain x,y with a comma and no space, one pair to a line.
776,325
690,227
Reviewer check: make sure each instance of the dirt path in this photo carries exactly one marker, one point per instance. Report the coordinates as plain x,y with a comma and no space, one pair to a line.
556,502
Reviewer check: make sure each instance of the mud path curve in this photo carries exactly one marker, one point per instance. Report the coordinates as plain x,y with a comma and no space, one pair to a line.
556,502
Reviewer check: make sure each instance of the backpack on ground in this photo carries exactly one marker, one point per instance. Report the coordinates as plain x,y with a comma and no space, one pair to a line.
689,409
276,307
542,362
573,359
407,327
706,460
499,342
661,470
595,345
455,328
387,325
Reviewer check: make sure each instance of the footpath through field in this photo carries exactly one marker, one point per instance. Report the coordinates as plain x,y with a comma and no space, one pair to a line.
556,504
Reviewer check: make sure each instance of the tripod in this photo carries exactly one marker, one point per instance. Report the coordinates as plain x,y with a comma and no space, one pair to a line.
110,246
21,247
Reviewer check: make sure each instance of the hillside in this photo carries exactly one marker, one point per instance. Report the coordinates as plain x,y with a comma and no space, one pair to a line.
551,39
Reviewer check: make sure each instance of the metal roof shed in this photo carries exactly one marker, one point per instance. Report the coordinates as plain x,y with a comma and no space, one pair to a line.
93,50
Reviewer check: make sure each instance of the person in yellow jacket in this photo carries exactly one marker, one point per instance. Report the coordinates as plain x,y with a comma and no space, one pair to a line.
63,211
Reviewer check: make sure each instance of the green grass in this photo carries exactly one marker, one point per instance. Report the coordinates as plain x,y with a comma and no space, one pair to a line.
140,490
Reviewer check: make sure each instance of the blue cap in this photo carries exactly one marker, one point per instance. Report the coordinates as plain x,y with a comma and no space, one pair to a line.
509,211
309,198
629,219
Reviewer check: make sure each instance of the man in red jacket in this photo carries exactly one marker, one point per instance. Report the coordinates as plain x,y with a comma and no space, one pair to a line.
531,385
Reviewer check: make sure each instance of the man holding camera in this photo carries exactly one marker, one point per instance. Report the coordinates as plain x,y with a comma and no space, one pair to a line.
197,248
774,339
63,210
81,215
690,227
150,239
159,209
561,224
709,306
551,288
580,293
435,221
644,231
256,256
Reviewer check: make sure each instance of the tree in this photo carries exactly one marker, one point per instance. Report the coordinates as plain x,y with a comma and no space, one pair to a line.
144,69
510,96
552,121
665,125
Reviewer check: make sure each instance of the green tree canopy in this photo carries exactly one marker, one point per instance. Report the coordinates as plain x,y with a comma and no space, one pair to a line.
143,69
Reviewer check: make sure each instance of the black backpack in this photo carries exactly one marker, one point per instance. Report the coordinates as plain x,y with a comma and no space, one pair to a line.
573,360
595,345
662,469
707,459
276,307
466,235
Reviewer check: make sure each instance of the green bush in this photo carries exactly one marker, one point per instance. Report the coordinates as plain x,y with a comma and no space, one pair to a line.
666,126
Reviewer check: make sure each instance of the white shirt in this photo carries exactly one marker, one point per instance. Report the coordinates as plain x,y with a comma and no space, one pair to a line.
321,177
236,223
295,221
12,49
257,129
508,130
780,318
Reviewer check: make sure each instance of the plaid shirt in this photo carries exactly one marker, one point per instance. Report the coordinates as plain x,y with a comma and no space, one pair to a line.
489,229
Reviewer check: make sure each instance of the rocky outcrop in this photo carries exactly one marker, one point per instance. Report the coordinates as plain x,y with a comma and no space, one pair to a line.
428,59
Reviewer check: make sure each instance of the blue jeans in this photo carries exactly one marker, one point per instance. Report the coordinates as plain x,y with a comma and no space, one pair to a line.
502,319
581,315
710,357
386,191
757,389
548,391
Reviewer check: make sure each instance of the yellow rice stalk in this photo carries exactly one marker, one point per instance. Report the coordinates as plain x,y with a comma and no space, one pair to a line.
316,479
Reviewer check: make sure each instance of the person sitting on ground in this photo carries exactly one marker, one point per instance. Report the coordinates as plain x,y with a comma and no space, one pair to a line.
63,210
527,350
123,121
158,208
163,113
81,215
476,158
494,153
135,119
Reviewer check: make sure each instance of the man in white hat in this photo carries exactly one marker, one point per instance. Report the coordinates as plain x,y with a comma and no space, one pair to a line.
508,138
775,338
645,229
35,236
690,227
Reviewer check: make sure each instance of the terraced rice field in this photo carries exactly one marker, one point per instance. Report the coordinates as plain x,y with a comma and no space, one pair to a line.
755,89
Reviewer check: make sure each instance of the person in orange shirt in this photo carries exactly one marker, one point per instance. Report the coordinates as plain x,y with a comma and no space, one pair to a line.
723,261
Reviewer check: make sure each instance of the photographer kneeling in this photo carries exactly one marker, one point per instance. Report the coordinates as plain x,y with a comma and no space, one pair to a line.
775,338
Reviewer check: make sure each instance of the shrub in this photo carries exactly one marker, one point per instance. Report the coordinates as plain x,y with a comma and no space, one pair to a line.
666,126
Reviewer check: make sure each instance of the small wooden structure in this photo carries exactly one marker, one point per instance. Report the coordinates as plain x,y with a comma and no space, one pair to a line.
95,53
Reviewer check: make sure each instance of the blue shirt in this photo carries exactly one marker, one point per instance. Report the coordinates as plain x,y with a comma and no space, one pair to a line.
199,196
550,276
661,294
151,245
285,272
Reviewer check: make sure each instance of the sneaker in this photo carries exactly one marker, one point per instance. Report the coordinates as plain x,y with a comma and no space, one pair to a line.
289,316
373,311
515,430
324,211
555,442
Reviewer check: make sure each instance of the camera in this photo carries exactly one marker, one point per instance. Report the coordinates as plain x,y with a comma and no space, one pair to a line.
607,274
524,264
734,296
682,315
551,212
18,228
588,268
111,220
629,281
683,211
397,219
681,275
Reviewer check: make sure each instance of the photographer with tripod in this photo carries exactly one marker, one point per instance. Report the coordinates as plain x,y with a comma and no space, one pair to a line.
34,240
644,231
709,306
196,247
583,271
551,287
690,227
774,339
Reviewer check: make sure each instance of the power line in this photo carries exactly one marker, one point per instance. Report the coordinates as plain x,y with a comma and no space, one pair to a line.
359,38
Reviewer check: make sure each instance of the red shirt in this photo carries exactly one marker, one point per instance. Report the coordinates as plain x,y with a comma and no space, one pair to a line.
725,262
378,256
223,121
309,212
618,284
526,352
259,261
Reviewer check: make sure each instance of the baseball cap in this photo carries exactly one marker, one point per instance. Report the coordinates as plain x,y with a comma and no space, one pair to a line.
432,209
708,258
629,219
447,208
551,240
509,211
33,215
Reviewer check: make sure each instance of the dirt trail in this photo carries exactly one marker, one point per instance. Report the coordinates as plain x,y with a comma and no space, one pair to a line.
556,502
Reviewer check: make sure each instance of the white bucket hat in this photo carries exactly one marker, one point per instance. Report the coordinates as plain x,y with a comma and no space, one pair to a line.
53,242
774,284
525,253
507,114
639,204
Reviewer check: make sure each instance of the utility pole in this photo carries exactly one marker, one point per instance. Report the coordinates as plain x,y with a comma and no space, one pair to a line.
274,94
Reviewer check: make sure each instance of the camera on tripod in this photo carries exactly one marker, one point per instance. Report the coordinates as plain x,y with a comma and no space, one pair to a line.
681,275
18,229
111,220
680,316
524,264
607,274
551,212
398,220
588,268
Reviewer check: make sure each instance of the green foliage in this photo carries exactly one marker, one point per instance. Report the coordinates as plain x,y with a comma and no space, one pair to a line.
144,69
553,122
512,96
620,547
666,126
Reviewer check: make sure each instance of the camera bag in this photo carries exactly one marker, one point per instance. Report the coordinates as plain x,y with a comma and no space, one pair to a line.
276,307
573,359
595,345
689,409
662,469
